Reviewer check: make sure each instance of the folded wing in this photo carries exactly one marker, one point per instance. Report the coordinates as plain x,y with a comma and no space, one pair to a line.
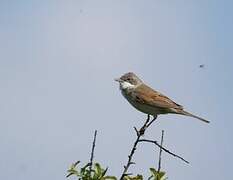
146,95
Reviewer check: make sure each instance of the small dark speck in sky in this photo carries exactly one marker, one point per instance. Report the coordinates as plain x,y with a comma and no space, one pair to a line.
201,66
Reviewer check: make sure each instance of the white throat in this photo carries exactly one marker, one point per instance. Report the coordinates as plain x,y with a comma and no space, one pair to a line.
126,85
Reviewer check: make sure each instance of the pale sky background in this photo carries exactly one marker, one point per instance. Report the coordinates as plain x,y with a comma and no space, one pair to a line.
58,60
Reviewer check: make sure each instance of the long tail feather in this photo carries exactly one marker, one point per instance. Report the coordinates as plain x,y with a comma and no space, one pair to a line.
194,116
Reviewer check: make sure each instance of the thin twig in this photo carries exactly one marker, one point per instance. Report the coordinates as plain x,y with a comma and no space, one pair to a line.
139,133
164,149
160,151
92,152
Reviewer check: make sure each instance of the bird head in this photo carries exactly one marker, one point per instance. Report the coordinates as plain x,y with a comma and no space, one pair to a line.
129,80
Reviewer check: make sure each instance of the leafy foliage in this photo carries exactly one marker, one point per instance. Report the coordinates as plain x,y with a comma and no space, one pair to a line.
155,175
98,173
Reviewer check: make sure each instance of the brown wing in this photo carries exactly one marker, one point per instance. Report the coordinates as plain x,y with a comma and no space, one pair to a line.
146,95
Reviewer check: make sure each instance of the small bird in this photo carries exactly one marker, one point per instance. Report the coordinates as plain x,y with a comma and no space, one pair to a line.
147,100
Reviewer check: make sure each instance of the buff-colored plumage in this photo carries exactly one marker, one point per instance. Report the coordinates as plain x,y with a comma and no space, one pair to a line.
147,100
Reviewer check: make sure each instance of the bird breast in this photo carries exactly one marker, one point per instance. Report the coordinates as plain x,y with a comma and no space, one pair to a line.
139,106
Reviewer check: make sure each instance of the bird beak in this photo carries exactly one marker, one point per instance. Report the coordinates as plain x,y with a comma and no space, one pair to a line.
118,79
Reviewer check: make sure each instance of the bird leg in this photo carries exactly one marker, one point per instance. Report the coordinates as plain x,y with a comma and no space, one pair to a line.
143,128
155,117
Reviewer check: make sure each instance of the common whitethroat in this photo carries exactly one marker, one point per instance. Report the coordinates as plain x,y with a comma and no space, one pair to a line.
147,100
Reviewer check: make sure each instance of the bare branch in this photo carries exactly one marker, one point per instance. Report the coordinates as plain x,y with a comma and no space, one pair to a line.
92,152
140,133
160,151
164,149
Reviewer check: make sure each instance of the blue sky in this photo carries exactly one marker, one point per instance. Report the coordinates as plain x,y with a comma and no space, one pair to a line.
58,60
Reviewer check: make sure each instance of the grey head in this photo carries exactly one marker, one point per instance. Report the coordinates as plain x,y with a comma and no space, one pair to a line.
130,78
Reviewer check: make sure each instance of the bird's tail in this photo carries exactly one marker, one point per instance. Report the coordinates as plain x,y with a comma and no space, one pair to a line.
194,116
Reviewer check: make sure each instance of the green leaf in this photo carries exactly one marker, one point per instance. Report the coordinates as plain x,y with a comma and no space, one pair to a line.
109,178
138,177
153,172
98,168
72,170
157,175
161,174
